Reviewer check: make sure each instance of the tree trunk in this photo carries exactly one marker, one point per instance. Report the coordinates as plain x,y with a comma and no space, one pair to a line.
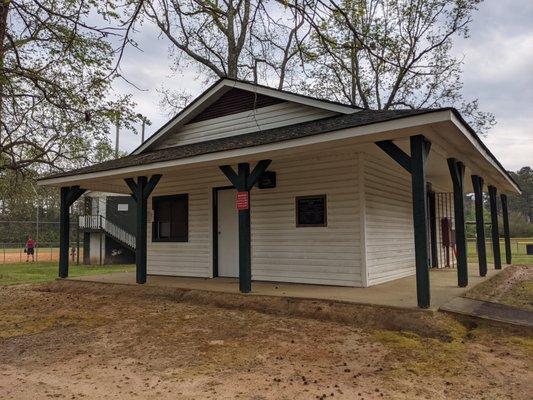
4,8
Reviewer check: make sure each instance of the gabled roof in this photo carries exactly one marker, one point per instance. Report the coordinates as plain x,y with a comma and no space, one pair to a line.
225,86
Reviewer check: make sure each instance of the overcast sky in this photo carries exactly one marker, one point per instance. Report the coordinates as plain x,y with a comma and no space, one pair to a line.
498,70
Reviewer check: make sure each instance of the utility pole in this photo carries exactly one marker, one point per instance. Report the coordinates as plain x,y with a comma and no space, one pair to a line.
144,121
142,130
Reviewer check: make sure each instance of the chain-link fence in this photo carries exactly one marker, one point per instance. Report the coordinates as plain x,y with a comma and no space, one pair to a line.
14,234
48,251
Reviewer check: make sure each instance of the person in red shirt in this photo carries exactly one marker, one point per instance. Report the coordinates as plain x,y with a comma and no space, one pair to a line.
30,249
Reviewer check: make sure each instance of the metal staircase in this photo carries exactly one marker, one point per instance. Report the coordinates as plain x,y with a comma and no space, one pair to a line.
99,222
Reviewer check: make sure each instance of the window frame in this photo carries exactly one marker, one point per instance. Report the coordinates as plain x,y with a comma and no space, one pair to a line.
155,230
297,214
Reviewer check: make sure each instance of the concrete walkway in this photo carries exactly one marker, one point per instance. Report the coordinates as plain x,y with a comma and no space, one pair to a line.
399,293
487,310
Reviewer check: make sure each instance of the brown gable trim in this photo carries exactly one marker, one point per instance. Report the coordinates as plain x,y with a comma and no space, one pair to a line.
235,101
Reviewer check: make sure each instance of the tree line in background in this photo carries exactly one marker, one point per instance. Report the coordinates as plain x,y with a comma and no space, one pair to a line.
59,60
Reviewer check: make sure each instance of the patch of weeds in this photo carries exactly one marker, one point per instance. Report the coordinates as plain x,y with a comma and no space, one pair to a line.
520,295
523,344
423,356
12,325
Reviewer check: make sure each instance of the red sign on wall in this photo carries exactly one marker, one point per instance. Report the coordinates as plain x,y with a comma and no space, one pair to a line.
242,201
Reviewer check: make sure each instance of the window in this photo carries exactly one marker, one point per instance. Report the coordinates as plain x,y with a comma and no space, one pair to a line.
171,218
311,211
122,207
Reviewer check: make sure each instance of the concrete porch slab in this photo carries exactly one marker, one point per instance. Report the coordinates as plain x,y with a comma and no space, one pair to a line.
399,293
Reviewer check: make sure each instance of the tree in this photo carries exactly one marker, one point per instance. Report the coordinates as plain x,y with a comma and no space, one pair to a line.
241,39
56,70
386,54
523,203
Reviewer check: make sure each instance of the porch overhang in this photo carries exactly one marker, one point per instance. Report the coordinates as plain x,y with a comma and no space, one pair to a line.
450,135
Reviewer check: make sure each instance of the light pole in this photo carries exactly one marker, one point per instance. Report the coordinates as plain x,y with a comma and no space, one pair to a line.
144,121
117,134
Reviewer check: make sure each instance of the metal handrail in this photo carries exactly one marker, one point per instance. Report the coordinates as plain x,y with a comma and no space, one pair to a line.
100,222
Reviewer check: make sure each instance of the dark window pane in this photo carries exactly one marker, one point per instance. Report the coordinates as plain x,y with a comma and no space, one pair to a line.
171,218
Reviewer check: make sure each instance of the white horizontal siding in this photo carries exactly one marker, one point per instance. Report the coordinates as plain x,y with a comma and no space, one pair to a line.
192,258
389,236
280,251
260,119
325,255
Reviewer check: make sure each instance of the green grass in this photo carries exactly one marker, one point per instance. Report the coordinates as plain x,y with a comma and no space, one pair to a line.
518,251
13,274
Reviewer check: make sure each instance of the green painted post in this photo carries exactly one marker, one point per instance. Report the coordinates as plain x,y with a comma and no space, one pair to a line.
419,153
244,181
506,232
477,183
493,195
245,247
64,232
457,171
140,191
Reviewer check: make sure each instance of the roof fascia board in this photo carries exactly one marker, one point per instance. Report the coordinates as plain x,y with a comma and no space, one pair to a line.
379,129
218,88
308,101
482,149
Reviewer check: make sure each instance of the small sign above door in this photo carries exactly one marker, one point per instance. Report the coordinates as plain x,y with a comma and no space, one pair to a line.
242,201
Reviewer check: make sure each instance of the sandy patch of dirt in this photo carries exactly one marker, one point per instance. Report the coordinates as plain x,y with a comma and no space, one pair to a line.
79,340
513,286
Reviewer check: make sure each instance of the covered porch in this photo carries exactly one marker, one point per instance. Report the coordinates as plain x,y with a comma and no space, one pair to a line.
425,154
399,293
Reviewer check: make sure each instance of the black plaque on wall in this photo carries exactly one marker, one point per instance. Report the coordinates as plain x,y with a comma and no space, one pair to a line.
267,180
311,211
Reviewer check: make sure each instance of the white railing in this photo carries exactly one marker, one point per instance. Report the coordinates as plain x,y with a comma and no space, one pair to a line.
90,221
100,222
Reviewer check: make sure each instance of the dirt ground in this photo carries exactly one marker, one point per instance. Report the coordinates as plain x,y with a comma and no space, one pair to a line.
77,340
513,286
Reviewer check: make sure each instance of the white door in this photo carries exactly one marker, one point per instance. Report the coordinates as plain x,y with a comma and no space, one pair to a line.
228,234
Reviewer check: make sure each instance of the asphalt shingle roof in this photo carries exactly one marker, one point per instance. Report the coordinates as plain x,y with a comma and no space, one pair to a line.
364,117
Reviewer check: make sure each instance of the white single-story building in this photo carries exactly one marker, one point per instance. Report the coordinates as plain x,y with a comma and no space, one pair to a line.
264,184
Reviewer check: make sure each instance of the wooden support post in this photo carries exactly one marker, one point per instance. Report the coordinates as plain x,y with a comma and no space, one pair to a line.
416,166
433,228
64,225
477,183
140,191
457,171
506,232
419,153
244,181
493,196
245,247
69,195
